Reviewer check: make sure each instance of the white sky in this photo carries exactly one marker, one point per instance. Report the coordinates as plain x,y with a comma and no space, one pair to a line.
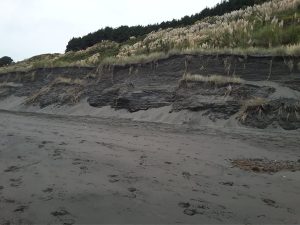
31,27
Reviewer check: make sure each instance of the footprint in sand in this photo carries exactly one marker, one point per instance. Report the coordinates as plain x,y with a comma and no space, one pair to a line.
113,178
143,159
63,143
48,194
21,157
186,175
15,182
48,190
184,204
12,169
190,212
199,206
21,208
227,183
270,202
132,189
188,208
78,161
82,163
61,212
46,142
57,153
63,216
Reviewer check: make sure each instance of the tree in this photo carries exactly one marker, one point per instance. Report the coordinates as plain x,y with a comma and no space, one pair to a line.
5,61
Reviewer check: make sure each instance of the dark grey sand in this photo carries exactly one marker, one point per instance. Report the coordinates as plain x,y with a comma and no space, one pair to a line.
66,169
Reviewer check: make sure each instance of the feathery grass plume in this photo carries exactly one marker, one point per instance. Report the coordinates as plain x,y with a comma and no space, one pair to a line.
242,29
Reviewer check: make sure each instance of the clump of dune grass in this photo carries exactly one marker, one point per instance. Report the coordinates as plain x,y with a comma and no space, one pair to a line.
265,111
272,24
74,92
67,81
134,59
252,105
35,96
212,79
287,110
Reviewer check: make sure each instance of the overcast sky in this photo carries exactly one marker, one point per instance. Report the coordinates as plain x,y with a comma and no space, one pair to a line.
31,27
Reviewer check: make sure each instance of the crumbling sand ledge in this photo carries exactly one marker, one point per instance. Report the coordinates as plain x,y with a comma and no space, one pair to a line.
160,91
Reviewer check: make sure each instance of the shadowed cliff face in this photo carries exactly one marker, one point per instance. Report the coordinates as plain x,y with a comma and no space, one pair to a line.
157,84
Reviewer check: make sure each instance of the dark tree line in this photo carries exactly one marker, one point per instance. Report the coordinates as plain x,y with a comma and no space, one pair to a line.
123,33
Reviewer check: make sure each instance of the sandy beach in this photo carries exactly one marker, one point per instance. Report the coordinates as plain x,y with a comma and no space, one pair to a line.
173,113
87,170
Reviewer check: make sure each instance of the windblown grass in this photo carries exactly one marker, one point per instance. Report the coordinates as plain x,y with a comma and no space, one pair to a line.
74,89
256,105
274,109
67,81
212,79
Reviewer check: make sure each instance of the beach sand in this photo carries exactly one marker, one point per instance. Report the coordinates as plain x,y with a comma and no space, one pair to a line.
59,169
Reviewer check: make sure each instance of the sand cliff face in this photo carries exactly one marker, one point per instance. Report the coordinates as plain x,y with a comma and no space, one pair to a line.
158,84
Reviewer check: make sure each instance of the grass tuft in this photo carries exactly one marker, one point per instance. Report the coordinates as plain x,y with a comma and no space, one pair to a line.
256,105
212,79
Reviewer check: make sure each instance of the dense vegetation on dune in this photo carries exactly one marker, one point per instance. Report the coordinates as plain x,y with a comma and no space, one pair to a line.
124,33
270,28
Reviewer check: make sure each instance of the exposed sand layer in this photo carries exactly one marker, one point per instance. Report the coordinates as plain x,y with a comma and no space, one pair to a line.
72,169
151,90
